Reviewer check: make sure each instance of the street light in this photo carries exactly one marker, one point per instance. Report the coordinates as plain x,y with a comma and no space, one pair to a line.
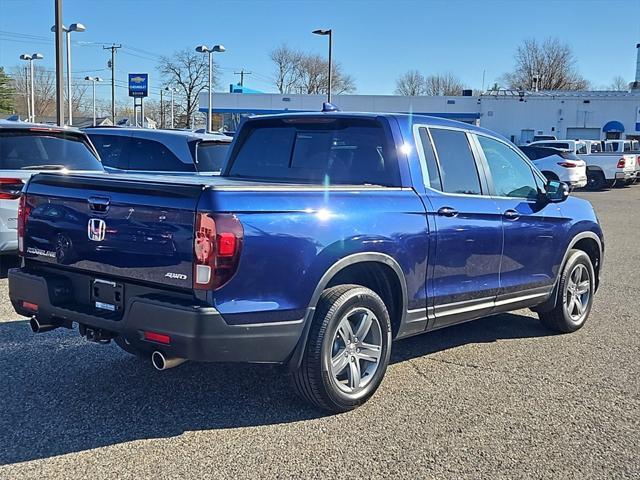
209,51
328,32
31,104
74,27
27,57
93,81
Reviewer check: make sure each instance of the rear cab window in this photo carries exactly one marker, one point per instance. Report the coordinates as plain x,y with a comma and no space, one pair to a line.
320,150
44,150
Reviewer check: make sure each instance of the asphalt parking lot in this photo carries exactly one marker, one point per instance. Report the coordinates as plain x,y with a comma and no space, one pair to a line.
497,398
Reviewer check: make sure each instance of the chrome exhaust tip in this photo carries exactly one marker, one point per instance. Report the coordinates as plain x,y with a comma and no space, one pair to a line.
160,362
37,327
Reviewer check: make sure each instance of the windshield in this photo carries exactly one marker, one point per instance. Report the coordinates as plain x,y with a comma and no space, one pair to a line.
211,156
315,150
30,150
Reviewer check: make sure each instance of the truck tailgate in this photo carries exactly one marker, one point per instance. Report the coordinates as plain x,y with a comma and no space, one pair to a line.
113,226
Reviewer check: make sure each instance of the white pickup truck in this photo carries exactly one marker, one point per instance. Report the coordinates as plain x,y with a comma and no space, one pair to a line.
604,169
627,147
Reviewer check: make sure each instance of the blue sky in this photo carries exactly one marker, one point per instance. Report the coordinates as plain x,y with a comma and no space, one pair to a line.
375,40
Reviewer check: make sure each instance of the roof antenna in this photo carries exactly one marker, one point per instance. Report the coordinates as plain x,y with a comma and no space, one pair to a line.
329,107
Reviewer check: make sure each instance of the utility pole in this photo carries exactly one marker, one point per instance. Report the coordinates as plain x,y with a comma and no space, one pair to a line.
242,73
59,62
113,49
161,110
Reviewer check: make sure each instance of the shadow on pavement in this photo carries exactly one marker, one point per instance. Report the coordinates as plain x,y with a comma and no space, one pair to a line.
61,394
7,262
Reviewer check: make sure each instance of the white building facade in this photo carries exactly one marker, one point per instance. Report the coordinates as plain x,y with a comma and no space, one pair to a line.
516,115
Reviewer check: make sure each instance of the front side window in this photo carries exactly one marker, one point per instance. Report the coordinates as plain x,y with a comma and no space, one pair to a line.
512,176
432,174
458,170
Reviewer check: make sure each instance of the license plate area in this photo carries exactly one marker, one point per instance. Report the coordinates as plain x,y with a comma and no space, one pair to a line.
107,295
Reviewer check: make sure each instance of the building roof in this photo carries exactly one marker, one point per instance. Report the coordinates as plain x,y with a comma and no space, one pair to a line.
560,93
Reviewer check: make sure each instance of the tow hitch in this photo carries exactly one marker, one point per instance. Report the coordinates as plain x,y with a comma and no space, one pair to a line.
95,334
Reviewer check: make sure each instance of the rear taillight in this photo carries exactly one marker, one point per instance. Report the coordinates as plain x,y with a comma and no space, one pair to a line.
638,160
217,245
10,188
24,210
568,164
621,163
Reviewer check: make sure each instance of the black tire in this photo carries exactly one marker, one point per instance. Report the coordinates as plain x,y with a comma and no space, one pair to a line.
129,348
314,380
560,318
612,183
595,180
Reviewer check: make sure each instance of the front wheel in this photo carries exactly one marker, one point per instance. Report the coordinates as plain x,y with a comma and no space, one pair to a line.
575,295
347,351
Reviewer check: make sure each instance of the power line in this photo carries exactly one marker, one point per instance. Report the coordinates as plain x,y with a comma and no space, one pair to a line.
242,73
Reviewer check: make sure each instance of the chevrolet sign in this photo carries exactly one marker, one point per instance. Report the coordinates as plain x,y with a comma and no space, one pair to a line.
138,84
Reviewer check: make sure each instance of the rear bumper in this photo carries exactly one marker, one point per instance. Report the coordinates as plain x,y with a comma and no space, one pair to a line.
625,175
197,332
9,242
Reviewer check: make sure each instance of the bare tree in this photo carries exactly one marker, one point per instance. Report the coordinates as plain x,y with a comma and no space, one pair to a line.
549,65
287,68
411,84
618,84
188,71
445,84
45,93
299,72
7,93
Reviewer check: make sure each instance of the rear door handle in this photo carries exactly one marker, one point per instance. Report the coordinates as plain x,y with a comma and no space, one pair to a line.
511,214
447,212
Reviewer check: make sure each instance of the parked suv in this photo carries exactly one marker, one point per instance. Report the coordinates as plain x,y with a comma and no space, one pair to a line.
327,236
556,164
26,149
142,150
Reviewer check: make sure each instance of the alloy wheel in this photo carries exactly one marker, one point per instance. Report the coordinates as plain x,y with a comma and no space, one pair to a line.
356,350
578,293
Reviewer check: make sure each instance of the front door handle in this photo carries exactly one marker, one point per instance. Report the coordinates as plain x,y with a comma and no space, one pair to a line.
447,212
511,214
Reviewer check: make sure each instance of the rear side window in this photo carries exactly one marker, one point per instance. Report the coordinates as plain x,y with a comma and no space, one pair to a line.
432,175
111,149
150,155
458,169
46,151
325,150
211,156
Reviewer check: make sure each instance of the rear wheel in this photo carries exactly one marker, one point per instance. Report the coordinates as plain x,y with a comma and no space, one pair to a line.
575,295
347,351
595,180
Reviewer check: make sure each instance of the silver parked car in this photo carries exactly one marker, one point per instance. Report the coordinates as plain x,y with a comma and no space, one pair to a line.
143,150
27,149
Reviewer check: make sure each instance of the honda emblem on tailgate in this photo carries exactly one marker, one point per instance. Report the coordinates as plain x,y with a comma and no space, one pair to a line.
96,229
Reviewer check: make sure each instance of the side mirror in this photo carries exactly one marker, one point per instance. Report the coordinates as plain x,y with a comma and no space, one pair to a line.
556,191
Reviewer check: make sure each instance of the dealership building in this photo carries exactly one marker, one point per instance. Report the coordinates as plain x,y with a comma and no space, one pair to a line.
518,115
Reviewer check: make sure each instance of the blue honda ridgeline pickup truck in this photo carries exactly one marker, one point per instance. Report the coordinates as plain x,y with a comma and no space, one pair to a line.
326,237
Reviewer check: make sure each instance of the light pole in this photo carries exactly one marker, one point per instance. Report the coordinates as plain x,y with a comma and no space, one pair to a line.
27,57
172,90
74,27
93,81
328,32
209,51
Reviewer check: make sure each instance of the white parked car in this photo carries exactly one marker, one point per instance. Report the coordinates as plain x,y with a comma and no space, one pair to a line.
27,149
556,164
604,169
